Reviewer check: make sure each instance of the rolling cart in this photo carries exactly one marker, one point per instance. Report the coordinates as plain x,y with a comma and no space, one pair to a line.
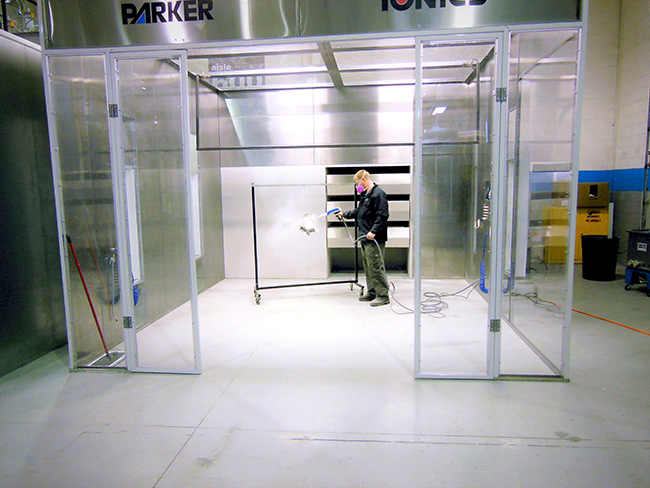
638,259
256,292
636,276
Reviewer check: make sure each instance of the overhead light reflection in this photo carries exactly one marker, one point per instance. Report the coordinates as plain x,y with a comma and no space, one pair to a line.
175,32
245,16
465,16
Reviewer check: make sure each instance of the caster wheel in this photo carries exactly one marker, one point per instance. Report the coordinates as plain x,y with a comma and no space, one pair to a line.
258,298
361,291
628,287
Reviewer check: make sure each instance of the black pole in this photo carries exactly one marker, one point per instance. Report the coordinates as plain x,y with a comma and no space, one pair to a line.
644,217
5,24
254,234
356,237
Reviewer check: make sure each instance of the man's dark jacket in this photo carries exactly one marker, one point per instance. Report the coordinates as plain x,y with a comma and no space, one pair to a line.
372,213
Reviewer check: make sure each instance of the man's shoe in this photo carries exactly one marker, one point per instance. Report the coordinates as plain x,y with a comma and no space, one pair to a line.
379,301
368,297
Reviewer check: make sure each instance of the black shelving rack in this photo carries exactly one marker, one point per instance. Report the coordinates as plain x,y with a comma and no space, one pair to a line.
352,282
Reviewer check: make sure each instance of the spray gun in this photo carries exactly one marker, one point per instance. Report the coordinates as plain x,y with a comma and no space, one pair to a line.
330,212
307,225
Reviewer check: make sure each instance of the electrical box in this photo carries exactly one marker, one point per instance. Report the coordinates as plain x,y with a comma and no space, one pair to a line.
638,249
593,195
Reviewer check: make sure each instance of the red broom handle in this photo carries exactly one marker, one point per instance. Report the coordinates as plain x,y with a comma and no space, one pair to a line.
90,302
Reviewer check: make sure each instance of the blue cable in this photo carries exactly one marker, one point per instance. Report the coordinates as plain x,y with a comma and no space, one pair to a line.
483,272
483,268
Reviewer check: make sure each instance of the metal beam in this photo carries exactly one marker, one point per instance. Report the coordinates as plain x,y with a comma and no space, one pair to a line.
325,49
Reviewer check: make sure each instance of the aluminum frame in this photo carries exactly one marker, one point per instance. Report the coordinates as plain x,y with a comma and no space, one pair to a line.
117,157
563,370
496,238
60,214
496,234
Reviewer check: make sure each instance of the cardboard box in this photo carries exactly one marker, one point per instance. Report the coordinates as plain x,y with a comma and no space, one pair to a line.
555,216
561,189
555,248
555,254
593,195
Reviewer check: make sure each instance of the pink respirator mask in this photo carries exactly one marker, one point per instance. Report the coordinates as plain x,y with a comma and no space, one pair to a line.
360,189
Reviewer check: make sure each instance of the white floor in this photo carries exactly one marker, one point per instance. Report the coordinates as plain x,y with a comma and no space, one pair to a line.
313,388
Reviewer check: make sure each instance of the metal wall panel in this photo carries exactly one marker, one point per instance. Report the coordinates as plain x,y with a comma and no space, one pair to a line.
364,155
211,266
446,203
320,156
362,125
266,157
275,118
447,160
31,300
75,23
363,115
327,17
316,117
79,23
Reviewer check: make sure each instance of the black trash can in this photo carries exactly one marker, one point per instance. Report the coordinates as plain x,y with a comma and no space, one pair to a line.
599,255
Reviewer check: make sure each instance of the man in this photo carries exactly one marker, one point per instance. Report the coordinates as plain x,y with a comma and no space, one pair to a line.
372,218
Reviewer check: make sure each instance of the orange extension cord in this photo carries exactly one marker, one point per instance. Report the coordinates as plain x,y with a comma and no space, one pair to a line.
611,322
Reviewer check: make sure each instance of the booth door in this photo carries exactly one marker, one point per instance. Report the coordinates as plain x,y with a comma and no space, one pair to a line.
459,140
150,125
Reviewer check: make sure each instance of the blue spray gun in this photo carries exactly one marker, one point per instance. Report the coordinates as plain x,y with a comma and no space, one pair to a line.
307,225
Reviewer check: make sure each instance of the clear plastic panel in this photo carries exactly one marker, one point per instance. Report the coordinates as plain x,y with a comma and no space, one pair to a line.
152,137
79,98
457,124
540,129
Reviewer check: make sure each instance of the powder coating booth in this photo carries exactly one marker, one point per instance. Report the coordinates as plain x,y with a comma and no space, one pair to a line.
162,115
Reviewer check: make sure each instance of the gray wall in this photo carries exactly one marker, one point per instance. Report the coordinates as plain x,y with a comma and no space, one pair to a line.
627,216
31,297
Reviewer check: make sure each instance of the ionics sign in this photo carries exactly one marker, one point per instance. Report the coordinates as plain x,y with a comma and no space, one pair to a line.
161,12
407,4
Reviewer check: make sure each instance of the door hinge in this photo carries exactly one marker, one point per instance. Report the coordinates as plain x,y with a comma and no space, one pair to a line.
502,94
128,322
495,325
112,110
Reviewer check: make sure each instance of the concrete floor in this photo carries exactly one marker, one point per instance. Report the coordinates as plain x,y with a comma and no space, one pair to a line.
313,388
